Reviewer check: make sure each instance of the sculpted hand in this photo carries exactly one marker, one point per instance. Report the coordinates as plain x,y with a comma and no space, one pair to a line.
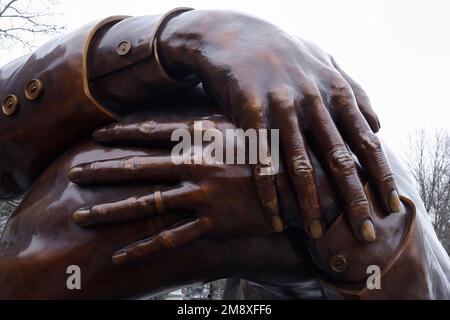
264,78
214,199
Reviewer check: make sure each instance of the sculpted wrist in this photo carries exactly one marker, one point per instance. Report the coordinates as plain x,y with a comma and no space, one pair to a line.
166,59
185,40
73,84
123,71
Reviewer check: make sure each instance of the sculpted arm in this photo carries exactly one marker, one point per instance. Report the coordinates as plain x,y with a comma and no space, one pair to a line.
41,241
343,264
110,68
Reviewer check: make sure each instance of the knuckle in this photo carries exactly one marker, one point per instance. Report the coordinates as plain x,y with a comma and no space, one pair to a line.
166,240
388,178
340,160
339,87
359,205
311,93
301,167
341,94
147,127
112,130
128,163
141,202
99,211
88,168
311,99
283,95
252,102
370,142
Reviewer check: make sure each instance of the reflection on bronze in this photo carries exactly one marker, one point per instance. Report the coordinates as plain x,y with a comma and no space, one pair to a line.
10,104
138,251
368,231
33,89
159,202
131,218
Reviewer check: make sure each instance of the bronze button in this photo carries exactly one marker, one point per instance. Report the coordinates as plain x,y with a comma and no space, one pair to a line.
33,89
10,104
338,263
123,48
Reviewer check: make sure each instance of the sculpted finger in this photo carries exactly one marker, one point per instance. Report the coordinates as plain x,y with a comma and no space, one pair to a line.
298,164
265,168
157,203
146,132
341,164
362,100
136,168
366,146
167,240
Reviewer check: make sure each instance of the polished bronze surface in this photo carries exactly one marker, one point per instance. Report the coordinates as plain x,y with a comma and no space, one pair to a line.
134,220
154,252
65,65
310,101
35,136
42,240
258,89
159,204
346,269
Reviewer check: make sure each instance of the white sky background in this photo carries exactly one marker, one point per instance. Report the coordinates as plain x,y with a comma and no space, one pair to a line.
399,50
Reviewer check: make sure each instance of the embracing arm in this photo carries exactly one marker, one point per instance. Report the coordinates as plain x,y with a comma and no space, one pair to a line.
122,64
41,241
50,99
343,263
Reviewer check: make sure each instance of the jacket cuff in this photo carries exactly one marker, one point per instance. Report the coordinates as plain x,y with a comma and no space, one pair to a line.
345,262
123,69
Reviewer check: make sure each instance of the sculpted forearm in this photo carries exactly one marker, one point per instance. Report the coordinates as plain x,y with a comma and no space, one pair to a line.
71,85
41,241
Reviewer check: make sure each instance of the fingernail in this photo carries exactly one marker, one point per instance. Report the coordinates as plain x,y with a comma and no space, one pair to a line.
277,224
74,173
81,216
394,201
315,228
120,258
368,231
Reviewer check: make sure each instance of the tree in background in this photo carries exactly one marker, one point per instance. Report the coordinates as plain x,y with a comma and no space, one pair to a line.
22,20
428,159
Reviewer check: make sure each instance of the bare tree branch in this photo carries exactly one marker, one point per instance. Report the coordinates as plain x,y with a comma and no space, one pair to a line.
428,159
8,5
19,19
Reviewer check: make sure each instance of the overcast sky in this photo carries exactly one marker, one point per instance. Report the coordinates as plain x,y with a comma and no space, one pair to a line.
398,50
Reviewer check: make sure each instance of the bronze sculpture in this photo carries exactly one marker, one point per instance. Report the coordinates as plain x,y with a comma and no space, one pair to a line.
119,73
